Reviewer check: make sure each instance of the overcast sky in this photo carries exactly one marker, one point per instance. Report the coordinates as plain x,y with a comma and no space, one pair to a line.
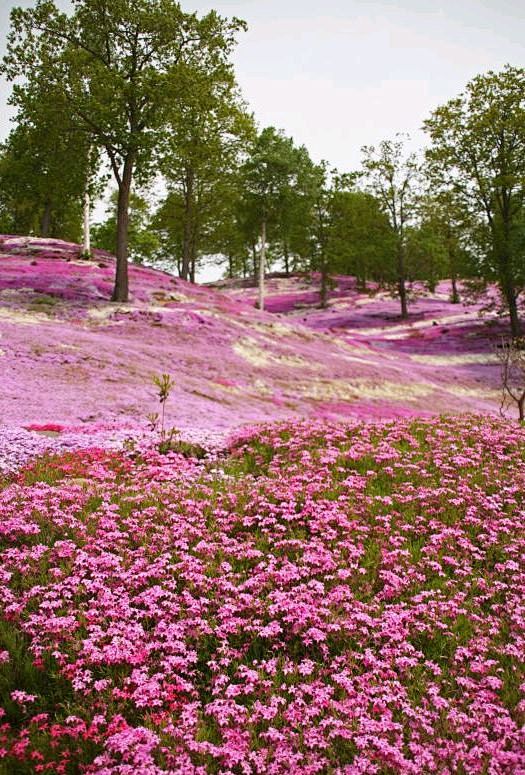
338,74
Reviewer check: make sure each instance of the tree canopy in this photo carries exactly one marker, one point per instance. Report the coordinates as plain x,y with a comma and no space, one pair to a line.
115,66
45,168
391,174
478,144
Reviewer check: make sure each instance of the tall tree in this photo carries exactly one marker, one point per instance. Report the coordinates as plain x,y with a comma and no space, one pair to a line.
426,253
229,237
391,174
362,242
322,195
440,247
208,130
143,242
220,232
295,217
272,173
478,143
114,65
44,171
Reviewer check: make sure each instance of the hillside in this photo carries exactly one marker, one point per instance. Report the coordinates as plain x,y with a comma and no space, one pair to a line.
309,596
69,357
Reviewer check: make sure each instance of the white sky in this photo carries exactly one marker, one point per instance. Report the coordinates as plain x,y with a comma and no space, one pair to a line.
339,74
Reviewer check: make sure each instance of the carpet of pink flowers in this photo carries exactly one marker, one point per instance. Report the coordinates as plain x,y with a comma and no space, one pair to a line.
322,598
311,596
70,357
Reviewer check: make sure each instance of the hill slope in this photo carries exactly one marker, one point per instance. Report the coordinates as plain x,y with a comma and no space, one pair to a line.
338,597
69,356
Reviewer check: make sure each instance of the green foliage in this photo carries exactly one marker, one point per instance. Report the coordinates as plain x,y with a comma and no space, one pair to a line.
45,165
168,438
426,254
184,448
322,194
164,383
440,246
143,241
115,69
208,129
362,243
279,187
391,174
153,89
268,174
478,144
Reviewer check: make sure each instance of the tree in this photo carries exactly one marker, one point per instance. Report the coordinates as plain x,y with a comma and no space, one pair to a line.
478,143
361,242
439,247
223,233
426,253
114,66
511,357
44,172
391,174
208,131
143,242
322,194
273,176
168,225
292,230
229,237
349,232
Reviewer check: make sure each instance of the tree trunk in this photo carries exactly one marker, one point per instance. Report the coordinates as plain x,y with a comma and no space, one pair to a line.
401,282
403,298
86,243
193,264
504,253
455,295
515,325
45,223
255,263
187,247
262,267
286,260
452,264
521,408
121,288
230,267
509,293
324,284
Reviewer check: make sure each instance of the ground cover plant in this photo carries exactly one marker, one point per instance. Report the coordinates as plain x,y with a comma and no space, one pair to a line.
81,361
324,598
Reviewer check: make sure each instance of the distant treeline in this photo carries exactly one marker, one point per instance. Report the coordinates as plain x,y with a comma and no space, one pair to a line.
144,93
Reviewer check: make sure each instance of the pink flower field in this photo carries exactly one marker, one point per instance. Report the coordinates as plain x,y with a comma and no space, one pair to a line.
325,572
69,357
325,598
